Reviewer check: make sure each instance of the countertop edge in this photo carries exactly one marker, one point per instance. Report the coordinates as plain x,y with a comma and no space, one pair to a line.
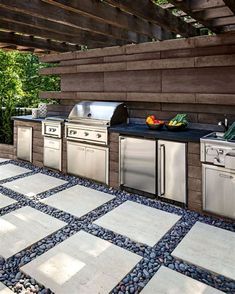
27,118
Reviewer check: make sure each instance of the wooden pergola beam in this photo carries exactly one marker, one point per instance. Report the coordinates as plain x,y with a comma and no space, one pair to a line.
196,5
38,43
61,32
230,4
185,5
146,9
43,33
47,11
108,14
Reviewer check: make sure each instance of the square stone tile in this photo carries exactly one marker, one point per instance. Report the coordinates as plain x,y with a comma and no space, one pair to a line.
210,248
23,227
4,289
139,222
82,264
78,200
3,160
5,201
35,184
11,170
167,281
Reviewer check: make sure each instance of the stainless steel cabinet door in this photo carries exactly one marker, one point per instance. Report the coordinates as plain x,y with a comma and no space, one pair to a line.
24,143
219,190
76,159
138,164
97,164
172,170
52,155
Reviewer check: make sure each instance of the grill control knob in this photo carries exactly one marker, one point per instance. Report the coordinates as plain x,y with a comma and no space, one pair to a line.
86,134
98,135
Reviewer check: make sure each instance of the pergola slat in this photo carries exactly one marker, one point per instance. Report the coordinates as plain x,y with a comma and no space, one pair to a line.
151,12
31,42
185,5
71,34
43,33
105,13
47,11
230,4
195,5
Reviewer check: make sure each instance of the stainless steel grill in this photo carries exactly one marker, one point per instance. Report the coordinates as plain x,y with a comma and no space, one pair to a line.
96,112
89,121
87,138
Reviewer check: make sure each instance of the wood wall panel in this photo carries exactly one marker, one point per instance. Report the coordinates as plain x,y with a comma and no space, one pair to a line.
83,82
199,80
141,81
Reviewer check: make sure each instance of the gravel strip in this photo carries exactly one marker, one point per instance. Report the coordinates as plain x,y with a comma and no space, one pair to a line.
153,257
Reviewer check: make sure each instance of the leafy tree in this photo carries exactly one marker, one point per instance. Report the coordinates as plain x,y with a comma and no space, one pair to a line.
20,84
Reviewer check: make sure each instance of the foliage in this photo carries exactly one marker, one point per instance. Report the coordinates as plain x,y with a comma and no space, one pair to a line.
20,84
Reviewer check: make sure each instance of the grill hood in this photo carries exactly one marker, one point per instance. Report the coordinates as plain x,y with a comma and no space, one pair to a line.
98,112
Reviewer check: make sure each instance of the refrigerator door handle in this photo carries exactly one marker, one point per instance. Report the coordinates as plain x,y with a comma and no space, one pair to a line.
162,169
121,181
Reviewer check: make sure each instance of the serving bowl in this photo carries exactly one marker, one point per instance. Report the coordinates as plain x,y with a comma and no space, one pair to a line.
155,126
176,128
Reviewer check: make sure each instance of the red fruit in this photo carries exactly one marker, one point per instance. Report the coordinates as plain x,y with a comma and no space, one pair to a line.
152,117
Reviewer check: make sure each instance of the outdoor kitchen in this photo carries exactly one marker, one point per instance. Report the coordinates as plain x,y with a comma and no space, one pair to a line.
117,147
104,136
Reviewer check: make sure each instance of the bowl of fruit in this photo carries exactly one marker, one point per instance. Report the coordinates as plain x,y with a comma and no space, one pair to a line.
178,123
153,123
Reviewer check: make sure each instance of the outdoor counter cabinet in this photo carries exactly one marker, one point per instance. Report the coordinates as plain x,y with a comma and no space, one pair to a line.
117,147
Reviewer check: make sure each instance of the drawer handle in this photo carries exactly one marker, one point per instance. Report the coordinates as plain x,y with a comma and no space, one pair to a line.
52,130
73,132
225,176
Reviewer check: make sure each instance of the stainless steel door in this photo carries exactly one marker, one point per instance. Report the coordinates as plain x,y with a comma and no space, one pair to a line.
52,155
172,170
219,190
97,164
137,164
24,143
88,161
76,159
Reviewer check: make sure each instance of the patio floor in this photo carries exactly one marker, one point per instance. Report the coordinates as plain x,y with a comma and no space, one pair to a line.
62,234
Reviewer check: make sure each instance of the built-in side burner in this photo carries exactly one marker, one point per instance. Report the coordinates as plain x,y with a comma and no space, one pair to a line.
218,157
52,128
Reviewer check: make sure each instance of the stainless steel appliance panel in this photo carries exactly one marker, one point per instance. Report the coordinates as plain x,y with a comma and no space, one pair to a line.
52,129
219,190
172,170
76,159
52,155
24,143
137,164
84,133
88,161
97,164
99,112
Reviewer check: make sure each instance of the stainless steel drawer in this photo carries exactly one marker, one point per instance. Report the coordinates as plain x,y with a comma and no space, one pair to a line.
52,155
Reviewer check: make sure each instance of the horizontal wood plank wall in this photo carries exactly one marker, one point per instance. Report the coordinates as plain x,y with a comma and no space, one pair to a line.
6,151
195,75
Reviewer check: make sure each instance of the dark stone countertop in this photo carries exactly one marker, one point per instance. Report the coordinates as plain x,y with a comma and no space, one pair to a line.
27,118
139,130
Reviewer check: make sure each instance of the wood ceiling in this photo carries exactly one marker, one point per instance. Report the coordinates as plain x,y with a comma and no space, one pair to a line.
68,25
